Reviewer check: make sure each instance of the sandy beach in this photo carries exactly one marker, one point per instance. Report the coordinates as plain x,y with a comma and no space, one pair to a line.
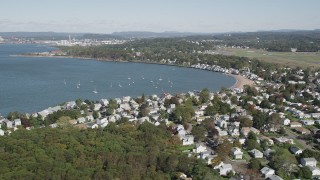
241,81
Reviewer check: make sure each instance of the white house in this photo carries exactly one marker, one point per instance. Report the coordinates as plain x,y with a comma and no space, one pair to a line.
188,140
267,172
17,122
200,148
307,122
224,168
286,122
315,115
275,177
256,153
315,171
81,120
308,162
8,123
104,102
1,132
295,124
236,153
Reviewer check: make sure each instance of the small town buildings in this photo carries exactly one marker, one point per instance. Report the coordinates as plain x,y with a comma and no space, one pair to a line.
267,172
236,153
295,150
256,153
308,162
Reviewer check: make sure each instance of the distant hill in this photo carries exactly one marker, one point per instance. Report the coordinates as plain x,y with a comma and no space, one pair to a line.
146,34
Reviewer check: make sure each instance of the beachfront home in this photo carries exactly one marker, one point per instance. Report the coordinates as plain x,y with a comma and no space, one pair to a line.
17,122
295,124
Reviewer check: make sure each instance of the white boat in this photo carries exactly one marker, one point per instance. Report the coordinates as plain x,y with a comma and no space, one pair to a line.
64,82
120,85
95,91
79,83
160,79
111,85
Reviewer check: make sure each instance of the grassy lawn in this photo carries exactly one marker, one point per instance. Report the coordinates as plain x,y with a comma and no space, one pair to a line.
185,148
301,59
297,143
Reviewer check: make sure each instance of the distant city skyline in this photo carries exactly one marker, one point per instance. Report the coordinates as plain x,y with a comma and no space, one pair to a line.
205,16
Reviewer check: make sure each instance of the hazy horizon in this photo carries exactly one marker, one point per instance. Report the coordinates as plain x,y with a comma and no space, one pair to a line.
207,16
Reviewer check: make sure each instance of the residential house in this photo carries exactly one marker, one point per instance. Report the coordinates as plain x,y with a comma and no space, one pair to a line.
286,122
222,123
256,153
81,120
188,140
17,122
224,169
200,148
295,150
236,153
307,122
302,130
267,172
97,107
275,177
295,124
315,170
308,162
104,102
284,140
1,132
315,115
8,123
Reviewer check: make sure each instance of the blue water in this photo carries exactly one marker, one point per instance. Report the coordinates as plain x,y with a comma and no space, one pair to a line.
31,84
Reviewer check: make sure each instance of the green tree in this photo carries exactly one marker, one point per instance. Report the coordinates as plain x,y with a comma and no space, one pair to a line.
199,133
204,96
254,164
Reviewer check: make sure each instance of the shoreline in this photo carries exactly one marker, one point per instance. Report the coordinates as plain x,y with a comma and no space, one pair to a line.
240,80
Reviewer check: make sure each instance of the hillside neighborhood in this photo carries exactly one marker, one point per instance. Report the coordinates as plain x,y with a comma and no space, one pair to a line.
266,131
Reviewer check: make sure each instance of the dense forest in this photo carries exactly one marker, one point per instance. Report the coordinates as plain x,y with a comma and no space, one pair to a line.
124,151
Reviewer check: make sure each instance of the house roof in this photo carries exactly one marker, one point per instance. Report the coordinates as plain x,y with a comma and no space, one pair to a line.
309,159
267,170
275,177
294,149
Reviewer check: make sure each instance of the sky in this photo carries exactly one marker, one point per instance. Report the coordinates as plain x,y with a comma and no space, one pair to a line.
208,16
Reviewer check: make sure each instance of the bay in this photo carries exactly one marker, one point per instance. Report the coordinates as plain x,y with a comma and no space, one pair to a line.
31,84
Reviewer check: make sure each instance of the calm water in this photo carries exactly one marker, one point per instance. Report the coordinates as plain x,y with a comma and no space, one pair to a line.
31,84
